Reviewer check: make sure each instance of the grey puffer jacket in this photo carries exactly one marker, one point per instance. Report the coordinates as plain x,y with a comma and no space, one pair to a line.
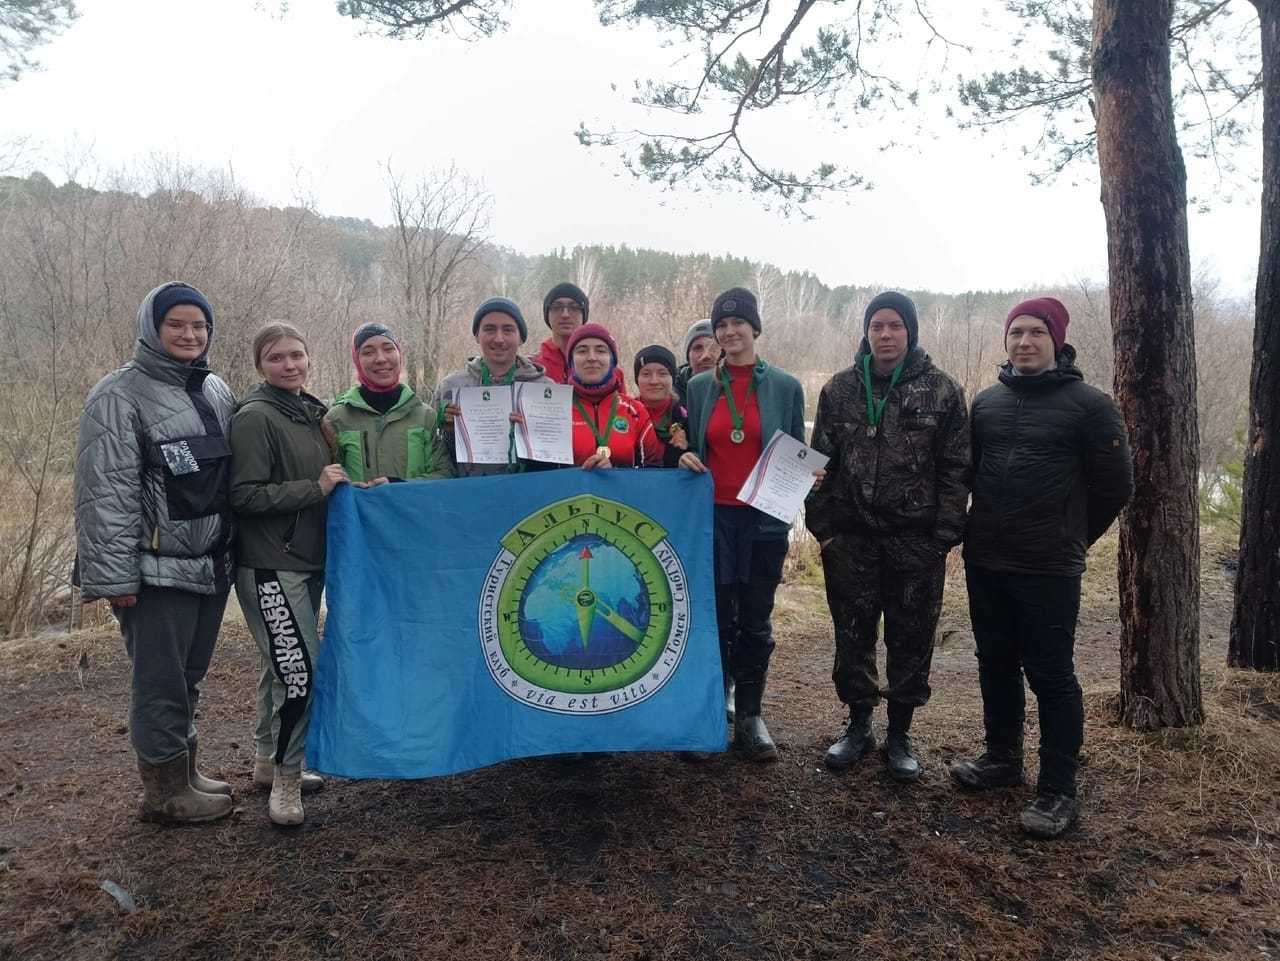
153,470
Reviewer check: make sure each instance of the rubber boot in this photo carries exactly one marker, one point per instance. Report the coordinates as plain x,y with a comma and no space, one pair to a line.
264,775
197,780
750,735
285,806
730,711
169,798
898,756
855,743
996,767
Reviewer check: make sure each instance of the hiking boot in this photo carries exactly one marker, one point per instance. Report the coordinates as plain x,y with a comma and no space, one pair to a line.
197,780
751,737
169,798
285,806
1049,815
991,769
729,705
264,773
854,744
899,758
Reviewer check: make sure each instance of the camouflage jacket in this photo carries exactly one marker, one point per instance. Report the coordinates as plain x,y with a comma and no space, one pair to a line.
911,473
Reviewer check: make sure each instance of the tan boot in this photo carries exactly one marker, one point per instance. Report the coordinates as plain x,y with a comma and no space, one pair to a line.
264,773
197,780
169,797
285,806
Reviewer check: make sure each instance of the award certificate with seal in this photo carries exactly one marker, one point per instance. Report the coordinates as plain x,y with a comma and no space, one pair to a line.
782,477
547,432
483,433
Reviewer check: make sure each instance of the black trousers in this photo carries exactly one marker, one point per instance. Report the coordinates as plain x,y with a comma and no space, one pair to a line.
748,571
1026,623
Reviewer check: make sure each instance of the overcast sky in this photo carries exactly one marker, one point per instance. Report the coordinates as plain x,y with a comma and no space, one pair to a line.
305,104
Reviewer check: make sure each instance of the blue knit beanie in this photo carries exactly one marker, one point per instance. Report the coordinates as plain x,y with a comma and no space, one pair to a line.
175,294
500,305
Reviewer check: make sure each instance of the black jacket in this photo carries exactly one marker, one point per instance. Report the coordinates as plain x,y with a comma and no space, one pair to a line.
1052,470
912,474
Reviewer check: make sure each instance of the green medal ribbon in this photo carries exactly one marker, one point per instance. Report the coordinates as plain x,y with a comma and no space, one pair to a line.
737,434
601,441
876,411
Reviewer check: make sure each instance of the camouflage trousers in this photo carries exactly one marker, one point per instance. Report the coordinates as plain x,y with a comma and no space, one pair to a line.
897,575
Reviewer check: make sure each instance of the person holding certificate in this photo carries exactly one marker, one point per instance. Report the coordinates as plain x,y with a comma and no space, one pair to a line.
733,409
380,430
500,329
896,430
655,372
609,428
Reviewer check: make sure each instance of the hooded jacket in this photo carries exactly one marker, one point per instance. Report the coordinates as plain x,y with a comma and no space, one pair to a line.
400,444
153,473
912,474
1052,470
526,371
279,451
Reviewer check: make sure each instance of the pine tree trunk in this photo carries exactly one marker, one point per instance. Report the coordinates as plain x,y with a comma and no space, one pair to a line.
1145,202
1255,625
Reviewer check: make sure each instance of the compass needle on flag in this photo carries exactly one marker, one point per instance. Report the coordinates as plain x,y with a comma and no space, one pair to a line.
586,599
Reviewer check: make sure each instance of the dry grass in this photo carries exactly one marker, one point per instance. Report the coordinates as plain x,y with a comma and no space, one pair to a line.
647,856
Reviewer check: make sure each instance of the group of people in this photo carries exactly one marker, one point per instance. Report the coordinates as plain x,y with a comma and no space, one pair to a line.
182,493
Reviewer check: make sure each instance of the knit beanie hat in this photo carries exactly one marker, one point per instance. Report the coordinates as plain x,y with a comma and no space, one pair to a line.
573,292
363,334
736,302
500,305
655,354
901,305
1048,309
174,294
701,328
599,332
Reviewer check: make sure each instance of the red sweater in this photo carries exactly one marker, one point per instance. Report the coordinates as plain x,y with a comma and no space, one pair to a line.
632,441
728,462
553,361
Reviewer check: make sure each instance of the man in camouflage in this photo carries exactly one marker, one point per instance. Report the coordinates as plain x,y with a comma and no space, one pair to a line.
892,506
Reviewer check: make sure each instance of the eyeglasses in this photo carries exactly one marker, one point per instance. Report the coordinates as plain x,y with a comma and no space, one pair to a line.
197,327
566,307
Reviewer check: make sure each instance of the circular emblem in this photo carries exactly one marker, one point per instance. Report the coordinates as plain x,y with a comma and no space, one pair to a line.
585,610
729,306
621,424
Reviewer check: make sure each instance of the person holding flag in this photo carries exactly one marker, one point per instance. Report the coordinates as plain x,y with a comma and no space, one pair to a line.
380,430
733,411
655,373
499,328
610,429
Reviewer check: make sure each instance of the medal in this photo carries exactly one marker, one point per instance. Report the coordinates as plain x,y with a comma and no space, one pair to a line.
875,411
737,435
602,440
871,430
603,451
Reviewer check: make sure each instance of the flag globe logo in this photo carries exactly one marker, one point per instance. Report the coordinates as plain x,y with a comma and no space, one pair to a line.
585,610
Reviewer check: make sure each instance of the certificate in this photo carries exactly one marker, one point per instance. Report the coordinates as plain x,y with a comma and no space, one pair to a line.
482,434
782,477
547,432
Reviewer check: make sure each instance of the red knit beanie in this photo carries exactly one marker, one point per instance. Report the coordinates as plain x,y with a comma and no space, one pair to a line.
1048,309
597,331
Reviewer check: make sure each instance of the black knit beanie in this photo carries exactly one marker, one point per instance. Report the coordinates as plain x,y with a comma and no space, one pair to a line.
573,292
500,305
175,294
736,302
900,304
655,354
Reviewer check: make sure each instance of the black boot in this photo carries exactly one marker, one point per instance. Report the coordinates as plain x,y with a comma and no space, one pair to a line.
855,743
729,705
750,735
899,758
998,766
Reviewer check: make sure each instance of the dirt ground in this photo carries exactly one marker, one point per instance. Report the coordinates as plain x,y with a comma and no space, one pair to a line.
650,856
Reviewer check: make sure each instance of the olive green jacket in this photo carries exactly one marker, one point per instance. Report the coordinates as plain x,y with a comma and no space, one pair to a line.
400,444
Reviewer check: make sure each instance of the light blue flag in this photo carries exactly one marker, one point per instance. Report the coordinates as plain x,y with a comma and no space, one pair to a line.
477,620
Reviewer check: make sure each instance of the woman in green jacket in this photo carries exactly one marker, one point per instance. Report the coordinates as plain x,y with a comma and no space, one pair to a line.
281,478
380,430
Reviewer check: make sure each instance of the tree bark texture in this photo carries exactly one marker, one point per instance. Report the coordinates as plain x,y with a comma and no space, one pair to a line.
1255,624
1144,198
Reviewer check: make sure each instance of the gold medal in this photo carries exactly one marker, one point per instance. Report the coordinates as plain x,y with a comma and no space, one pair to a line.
871,430
603,451
737,436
